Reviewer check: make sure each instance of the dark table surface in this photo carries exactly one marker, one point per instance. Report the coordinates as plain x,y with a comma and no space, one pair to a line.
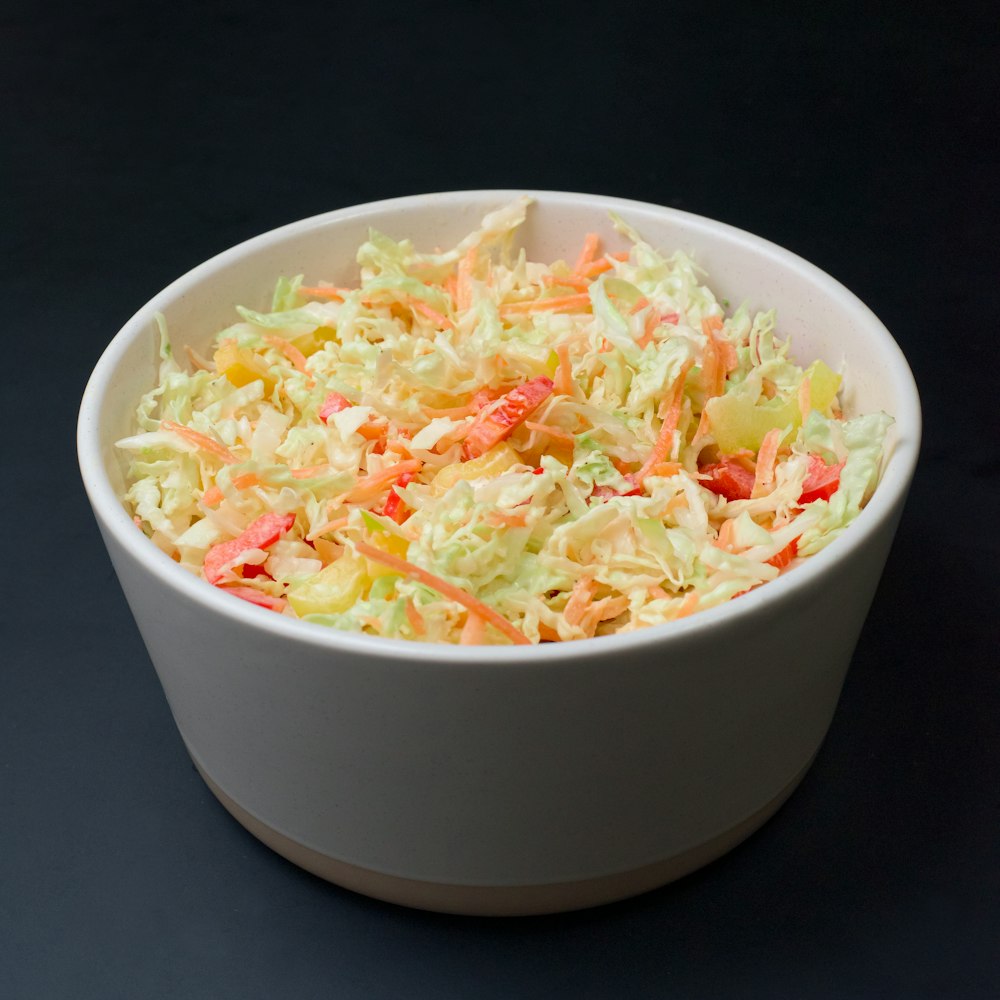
140,140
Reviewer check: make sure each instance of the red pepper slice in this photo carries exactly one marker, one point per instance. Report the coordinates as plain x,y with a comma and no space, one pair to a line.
395,507
786,555
492,427
265,531
822,480
728,479
333,403
256,597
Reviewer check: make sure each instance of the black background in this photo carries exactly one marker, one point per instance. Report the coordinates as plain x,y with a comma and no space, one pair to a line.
138,141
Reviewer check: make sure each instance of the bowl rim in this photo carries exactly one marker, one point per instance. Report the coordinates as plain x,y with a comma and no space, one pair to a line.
112,516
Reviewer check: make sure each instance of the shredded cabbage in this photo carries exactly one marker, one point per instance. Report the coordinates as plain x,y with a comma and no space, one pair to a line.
472,447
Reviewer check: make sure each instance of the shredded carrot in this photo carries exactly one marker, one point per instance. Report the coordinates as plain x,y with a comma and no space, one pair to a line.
333,525
197,361
547,634
432,314
554,432
580,599
558,303
590,243
605,264
688,605
663,443
665,469
565,281
639,306
702,430
203,442
564,373
725,539
451,287
602,611
622,467
649,328
310,471
472,630
324,292
213,496
507,520
805,398
415,618
373,430
463,281
446,589
290,351
766,457
656,592
373,484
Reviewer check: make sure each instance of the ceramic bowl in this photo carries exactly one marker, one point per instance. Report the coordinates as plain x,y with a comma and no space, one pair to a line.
505,780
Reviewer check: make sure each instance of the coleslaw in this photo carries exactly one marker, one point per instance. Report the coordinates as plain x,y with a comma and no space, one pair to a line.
472,447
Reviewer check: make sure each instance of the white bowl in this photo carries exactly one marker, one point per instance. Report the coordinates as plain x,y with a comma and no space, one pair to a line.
500,780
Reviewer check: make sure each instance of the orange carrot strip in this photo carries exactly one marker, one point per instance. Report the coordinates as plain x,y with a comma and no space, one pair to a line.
764,473
508,520
805,398
657,592
415,618
316,292
373,431
662,447
290,351
445,589
639,306
213,496
555,432
558,302
564,374
203,442
600,266
432,314
580,599
335,525
309,471
688,605
723,357
725,539
565,281
665,469
610,607
472,630
450,285
702,429
586,257
649,327
546,633
197,361
463,283
377,481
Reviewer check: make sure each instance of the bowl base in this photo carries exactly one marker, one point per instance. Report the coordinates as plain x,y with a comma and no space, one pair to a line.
502,900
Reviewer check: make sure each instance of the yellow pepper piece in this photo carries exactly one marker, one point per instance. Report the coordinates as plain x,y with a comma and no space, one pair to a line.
492,463
241,366
737,421
336,588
